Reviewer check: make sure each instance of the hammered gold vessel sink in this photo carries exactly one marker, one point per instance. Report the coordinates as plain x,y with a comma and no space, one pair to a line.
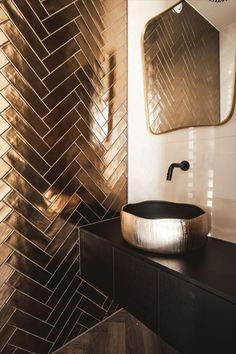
164,227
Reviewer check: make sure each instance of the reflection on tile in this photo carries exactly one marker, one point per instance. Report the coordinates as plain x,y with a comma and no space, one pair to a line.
63,127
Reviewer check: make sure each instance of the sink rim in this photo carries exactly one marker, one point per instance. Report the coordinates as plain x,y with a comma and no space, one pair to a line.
198,211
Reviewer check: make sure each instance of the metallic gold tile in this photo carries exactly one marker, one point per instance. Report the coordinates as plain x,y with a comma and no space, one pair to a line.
56,145
29,154
32,18
30,174
52,7
5,272
4,189
24,109
6,334
25,130
3,38
26,209
3,103
61,110
3,125
21,225
63,90
4,211
26,91
29,287
62,145
60,55
3,16
30,342
25,29
23,47
60,37
38,9
61,18
66,123
24,68
61,73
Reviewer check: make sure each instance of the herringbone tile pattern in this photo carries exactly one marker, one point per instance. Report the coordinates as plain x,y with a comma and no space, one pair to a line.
63,147
181,54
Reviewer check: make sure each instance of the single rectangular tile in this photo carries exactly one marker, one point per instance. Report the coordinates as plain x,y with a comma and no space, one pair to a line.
52,7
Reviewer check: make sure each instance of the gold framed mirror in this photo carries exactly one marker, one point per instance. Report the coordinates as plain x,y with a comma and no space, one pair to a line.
189,65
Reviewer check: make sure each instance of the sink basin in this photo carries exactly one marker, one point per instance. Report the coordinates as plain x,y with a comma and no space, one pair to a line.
164,227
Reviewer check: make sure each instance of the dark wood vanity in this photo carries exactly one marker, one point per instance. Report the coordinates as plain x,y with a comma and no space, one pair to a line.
189,300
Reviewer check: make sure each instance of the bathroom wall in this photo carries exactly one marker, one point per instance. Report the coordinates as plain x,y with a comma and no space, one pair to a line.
227,62
63,147
211,151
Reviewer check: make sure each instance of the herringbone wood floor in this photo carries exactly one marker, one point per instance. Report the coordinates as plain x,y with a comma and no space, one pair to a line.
120,334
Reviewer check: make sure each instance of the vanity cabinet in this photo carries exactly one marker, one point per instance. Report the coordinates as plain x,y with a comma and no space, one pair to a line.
135,287
190,301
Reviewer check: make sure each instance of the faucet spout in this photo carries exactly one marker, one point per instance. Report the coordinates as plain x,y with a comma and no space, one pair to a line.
183,165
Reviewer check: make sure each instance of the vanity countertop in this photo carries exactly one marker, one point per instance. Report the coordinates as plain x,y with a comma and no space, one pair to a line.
212,268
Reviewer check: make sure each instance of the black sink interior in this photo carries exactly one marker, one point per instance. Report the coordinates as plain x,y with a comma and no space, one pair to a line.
158,209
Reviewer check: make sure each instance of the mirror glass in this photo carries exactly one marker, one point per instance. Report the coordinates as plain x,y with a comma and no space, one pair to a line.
189,65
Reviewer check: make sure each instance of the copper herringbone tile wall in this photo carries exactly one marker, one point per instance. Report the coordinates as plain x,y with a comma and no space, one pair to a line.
182,71
63,150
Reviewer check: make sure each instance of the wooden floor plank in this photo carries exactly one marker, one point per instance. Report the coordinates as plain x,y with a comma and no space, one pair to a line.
119,334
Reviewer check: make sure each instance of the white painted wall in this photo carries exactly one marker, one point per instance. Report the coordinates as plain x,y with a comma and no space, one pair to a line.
211,151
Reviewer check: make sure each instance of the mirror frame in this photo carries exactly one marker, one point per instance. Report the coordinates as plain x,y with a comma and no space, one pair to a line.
233,95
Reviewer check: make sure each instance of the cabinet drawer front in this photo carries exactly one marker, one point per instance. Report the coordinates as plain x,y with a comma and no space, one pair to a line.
193,320
136,288
97,262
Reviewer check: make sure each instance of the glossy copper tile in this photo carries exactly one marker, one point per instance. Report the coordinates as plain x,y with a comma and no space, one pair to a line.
61,91
91,186
61,18
29,287
25,110
66,123
28,249
61,54
73,286
34,178
52,7
17,222
30,342
23,47
28,268
6,334
60,37
56,145
29,305
25,90
29,154
25,70
38,8
61,110
25,130
32,18
61,73
25,29
62,145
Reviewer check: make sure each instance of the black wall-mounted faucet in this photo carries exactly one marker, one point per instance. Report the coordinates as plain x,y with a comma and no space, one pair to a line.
184,166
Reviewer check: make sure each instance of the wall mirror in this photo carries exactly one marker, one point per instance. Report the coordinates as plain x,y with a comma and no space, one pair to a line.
189,65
